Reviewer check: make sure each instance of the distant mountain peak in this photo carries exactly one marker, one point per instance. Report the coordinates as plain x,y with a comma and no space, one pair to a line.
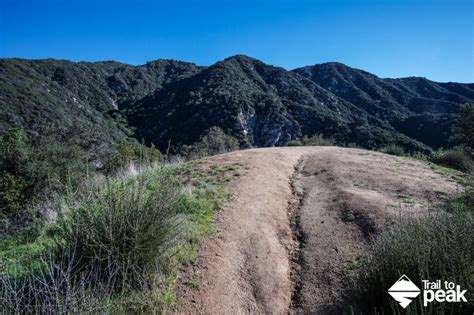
242,57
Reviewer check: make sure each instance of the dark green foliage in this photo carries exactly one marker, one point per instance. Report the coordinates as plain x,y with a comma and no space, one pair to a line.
31,171
12,193
416,107
440,246
213,141
126,151
393,149
80,100
15,179
456,158
433,129
14,150
464,202
259,105
464,129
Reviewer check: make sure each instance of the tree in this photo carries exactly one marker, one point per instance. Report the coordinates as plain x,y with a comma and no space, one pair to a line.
214,141
155,155
464,129
126,152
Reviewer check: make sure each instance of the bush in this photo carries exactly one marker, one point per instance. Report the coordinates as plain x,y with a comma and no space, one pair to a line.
314,140
127,152
419,156
213,141
32,171
294,143
15,180
440,246
455,158
318,140
124,227
464,202
393,149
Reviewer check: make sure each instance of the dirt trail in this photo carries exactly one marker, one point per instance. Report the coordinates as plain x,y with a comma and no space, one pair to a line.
348,195
248,267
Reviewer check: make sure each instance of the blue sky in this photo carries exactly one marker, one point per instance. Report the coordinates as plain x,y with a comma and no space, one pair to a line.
433,39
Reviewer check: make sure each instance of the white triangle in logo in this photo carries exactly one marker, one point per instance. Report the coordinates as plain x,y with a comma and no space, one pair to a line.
404,291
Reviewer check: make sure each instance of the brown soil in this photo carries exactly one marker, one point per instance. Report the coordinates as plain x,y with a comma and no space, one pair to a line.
249,266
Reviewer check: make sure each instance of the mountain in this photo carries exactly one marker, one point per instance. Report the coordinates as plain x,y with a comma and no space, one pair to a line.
417,107
79,101
259,104
169,102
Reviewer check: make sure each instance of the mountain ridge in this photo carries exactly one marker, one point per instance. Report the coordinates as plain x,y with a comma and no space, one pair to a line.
168,101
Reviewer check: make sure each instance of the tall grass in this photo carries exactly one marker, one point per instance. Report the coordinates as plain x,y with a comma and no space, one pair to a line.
123,227
440,246
115,247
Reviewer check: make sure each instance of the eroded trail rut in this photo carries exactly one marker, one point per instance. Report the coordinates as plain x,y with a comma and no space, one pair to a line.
284,237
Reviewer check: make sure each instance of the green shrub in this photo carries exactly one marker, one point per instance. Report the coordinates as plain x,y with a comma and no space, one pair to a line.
19,255
393,149
318,140
314,140
294,143
13,189
15,180
353,145
464,129
455,158
213,141
32,171
126,152
14,150
419,156
463,203
440,246
124,226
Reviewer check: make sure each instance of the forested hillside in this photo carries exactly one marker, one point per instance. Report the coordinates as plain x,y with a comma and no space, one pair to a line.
171,103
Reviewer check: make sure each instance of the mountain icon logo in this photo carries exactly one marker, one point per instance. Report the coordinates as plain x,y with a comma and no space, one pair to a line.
404,291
